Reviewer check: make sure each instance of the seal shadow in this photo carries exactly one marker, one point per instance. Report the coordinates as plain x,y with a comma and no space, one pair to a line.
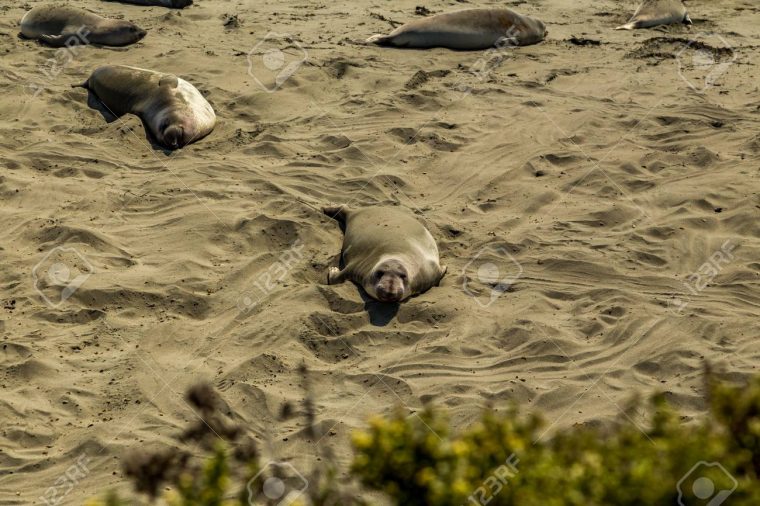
380,313
93,102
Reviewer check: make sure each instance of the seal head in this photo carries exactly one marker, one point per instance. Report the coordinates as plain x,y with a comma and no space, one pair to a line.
124,33
389,282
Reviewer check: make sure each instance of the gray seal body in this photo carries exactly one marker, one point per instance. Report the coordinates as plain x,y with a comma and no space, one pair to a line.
172,109
62,25
469,29
386,251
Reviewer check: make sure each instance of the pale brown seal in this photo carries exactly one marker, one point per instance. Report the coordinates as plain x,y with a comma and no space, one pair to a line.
657,12
386,251
467,29
59,25
172,109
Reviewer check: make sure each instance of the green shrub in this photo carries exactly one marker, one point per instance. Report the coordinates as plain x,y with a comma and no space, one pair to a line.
502,460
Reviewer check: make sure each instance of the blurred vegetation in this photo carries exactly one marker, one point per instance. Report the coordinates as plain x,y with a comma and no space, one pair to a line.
503,460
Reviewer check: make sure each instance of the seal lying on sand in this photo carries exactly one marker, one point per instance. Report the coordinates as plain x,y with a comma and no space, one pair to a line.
657,12
172,4
59,25
467,29
172,109
386,251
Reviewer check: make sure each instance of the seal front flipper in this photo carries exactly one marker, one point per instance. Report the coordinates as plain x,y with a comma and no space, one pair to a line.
443,270
64,39
336,276
169,80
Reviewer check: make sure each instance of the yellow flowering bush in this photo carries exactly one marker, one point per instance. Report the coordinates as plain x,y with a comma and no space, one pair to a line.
502,460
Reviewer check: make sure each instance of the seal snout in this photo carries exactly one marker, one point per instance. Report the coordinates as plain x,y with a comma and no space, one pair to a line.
391,280
173,136
390,295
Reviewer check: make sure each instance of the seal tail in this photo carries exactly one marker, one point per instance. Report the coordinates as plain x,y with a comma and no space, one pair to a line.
380,40
628,26
85,85
337,213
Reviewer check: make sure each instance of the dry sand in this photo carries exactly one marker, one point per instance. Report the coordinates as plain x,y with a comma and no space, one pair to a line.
592,173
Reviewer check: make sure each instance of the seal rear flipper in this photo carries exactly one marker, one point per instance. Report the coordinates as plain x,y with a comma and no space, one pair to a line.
628,26
337,213
380,40
85,85
687,20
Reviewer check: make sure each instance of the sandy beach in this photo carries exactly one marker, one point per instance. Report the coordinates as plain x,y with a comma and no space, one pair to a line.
596,198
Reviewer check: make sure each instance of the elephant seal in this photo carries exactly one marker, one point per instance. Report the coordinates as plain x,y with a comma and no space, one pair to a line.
467,29
657,12
386,251
172,4
172,109
59,25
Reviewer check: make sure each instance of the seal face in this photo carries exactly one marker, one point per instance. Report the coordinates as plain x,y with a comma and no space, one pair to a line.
59,25
172,109
469,29
657,12
387,252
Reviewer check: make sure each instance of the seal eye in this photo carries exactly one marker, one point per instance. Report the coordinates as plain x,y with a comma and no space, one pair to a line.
380,274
